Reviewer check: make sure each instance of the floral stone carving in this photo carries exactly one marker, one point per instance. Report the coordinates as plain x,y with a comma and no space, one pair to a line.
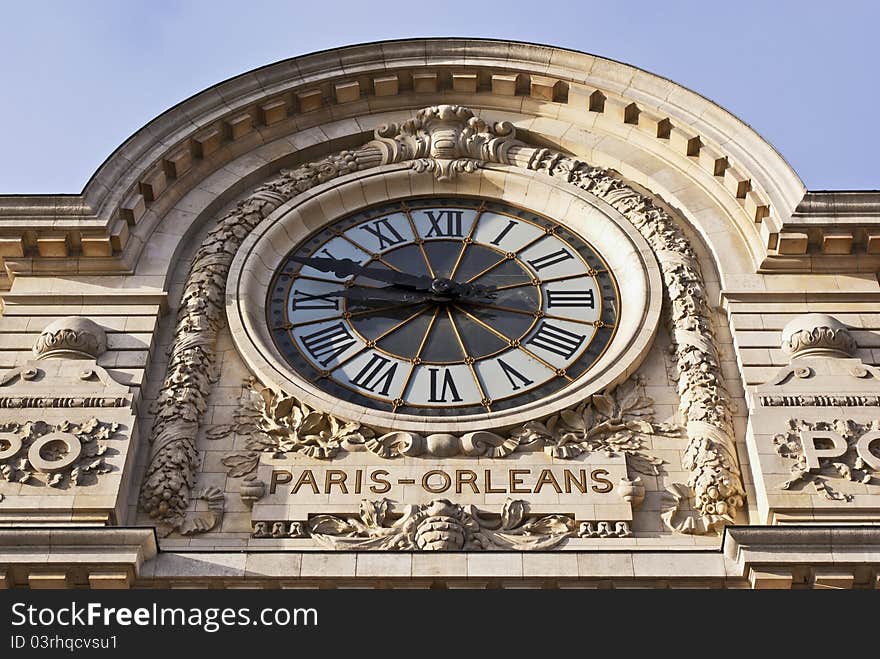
440,525
72,337
849,456
448,140
616,422
817,335
59,455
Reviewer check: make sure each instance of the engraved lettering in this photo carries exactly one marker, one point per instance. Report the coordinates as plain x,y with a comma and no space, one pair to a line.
279,477
445,479
335,477
306,478
580,484
382,485
516,481
489,488
605,485
546,477
466,477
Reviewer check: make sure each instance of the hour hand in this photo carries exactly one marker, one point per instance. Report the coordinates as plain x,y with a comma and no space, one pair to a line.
380,295
348,268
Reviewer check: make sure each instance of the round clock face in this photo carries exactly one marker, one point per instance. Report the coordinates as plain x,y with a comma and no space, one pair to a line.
442,306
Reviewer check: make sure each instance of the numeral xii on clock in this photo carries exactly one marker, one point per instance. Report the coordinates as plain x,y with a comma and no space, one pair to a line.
445,223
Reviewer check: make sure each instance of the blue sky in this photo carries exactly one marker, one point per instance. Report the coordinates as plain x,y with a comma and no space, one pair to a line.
79,77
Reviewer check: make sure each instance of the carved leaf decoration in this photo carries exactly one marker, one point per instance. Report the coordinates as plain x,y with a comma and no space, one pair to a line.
241,464
219,432
512,514
628,395
283,407
644,464
198,523
262,441
538,428
311,424
373,513
587,415
549,525
573,420
330,525
267,396
604,404
638,425
843,470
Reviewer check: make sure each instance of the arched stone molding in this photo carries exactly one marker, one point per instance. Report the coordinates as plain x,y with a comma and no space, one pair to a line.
123,201
468,144
690,198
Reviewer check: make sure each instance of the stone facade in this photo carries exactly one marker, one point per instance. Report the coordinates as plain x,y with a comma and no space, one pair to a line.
152,435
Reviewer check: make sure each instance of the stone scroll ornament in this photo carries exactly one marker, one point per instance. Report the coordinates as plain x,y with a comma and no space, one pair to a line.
447,141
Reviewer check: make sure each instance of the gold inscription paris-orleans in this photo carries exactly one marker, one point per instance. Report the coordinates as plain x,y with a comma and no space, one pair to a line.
439,481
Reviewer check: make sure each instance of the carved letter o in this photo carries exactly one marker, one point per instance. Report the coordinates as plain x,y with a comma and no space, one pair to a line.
863,449
14,442
74,449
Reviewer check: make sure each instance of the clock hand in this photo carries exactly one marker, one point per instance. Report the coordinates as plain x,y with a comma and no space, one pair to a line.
380,295
347,268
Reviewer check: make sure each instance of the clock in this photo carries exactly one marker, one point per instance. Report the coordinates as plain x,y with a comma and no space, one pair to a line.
443,306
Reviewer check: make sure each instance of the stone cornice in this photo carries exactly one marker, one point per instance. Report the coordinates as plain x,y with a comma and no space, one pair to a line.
201,133
782,556
105,557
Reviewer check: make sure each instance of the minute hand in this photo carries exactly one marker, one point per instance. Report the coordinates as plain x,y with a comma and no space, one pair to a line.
347,268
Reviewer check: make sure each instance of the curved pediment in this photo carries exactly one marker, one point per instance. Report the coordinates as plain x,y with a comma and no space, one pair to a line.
699,157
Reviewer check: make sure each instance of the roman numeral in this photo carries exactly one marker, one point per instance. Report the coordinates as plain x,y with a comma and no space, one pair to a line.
571,299
557,340
551,259
375,375
328,343
385,232
451,226
306,301
512,373
504,232
448,387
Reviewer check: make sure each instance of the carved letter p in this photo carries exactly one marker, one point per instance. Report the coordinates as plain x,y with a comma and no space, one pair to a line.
812,454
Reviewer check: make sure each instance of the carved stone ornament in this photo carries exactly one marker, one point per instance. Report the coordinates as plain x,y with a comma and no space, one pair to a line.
817,335
58,455
71,337
448,140
440,525
846,454
616,422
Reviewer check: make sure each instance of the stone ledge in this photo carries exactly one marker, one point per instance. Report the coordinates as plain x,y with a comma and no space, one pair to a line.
61,557
817,556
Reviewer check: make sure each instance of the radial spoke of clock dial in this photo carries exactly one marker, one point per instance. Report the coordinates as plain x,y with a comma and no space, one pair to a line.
475,307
